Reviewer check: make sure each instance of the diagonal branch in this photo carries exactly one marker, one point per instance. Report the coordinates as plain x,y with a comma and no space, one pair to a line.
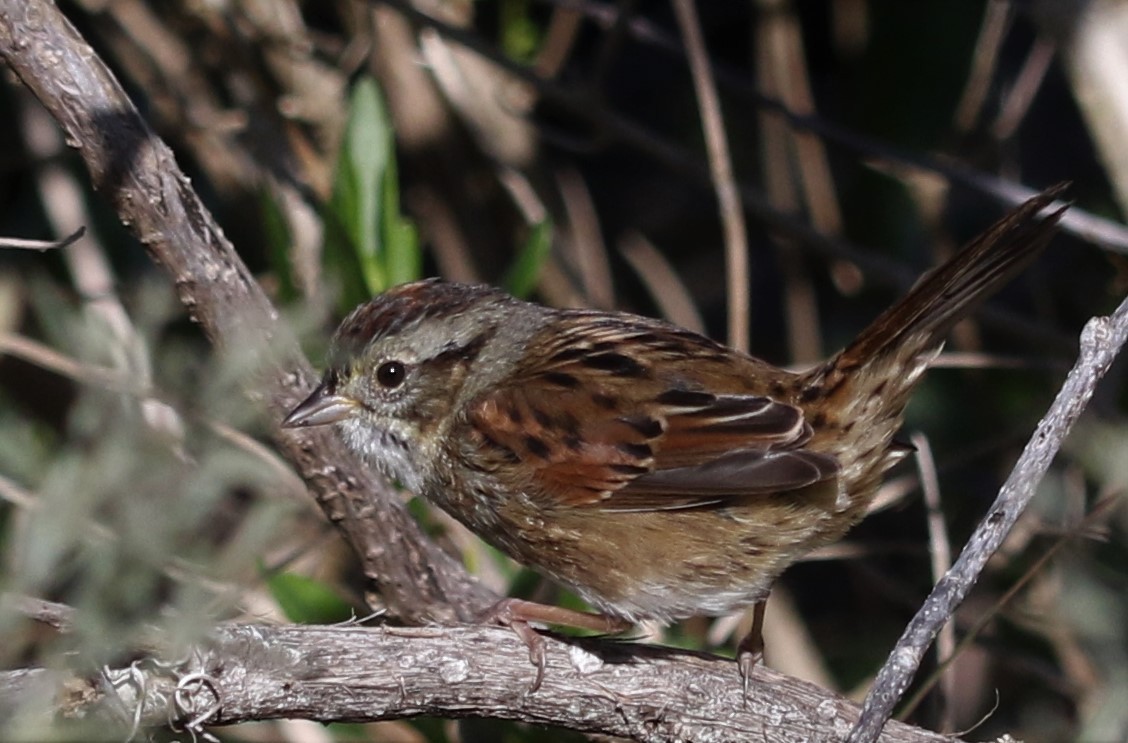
137,173
1101,341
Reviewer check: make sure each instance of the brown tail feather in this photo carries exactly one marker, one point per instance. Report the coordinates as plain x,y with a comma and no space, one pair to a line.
945,295
861,393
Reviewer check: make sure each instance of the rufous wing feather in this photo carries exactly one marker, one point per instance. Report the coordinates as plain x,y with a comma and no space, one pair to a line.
635,442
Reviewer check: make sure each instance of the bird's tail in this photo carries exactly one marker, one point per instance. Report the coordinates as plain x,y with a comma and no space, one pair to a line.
867,385
943,296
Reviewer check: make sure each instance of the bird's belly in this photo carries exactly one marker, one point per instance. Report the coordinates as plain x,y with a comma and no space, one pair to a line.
666,565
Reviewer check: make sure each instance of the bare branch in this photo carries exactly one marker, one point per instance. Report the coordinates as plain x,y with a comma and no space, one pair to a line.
21,244
357,674
136,171
1101,341
1110,235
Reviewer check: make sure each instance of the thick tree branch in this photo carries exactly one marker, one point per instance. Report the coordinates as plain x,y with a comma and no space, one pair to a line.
137,172
255,672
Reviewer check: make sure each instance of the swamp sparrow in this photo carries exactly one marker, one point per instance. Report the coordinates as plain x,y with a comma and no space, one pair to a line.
655,472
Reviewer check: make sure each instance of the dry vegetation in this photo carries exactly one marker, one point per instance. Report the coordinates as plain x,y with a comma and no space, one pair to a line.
773,173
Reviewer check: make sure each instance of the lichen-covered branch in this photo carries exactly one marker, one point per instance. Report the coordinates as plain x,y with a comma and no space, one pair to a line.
255,672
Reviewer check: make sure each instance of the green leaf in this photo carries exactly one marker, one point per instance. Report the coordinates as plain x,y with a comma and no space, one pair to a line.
364,159
522,276
307,601
369,244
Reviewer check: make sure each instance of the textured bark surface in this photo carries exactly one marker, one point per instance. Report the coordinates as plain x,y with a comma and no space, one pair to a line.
250,672
132,168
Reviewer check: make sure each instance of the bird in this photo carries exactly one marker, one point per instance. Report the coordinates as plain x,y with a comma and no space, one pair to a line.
655,472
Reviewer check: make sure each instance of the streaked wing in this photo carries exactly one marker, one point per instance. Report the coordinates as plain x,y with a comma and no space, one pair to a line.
732,475
635,435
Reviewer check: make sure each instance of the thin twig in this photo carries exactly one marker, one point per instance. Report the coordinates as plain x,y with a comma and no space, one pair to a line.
45,357
59,616
588,249
720,167
1110,235
1029,82
18,496
982,360
940,550
666,288
779,142
21,244
996,20
1101,341
615,127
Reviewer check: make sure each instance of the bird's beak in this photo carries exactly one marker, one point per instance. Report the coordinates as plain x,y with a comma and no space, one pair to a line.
320,408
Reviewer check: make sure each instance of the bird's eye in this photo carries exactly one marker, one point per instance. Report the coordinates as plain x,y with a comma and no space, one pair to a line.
391,374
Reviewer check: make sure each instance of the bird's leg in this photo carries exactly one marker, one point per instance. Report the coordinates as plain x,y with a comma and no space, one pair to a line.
516,615
750,650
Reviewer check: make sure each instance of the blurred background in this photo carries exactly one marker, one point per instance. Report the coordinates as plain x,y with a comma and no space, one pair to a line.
558,148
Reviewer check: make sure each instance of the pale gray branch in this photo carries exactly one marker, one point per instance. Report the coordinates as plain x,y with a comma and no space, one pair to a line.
1101,341
357,674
